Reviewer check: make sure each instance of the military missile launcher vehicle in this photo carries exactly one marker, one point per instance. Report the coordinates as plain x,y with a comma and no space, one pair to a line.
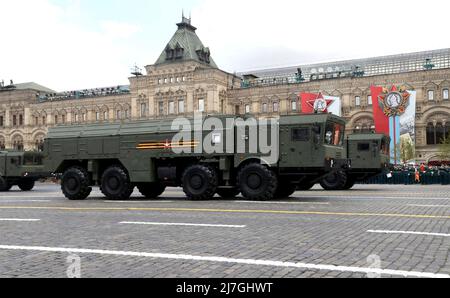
369,155
20,168
207,156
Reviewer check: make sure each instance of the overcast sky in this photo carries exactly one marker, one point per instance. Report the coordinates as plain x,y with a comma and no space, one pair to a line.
78,44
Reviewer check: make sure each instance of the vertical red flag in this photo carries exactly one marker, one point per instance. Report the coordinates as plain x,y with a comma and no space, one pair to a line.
307,98
381,120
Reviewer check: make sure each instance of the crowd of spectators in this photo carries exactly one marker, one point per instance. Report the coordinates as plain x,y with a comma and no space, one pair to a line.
414,174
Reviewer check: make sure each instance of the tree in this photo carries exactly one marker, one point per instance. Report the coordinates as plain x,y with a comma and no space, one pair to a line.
444,149
404,151
407,150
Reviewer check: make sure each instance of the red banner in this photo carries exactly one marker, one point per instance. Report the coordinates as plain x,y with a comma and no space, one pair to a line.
381,120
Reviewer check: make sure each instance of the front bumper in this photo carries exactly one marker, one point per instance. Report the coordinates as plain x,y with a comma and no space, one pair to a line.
334,165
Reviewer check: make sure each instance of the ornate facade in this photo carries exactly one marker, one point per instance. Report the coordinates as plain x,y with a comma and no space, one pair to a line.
185,79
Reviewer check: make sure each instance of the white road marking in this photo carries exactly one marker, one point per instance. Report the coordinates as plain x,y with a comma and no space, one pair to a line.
362,197
293,203
431,206
138,202
181,224
409,233
229,260
24,201
19,219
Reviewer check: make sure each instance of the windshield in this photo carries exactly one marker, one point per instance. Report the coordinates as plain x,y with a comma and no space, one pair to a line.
385,144
334,134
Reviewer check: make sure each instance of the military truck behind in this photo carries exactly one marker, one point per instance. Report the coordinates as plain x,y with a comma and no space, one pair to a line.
20,168
121,156
369,155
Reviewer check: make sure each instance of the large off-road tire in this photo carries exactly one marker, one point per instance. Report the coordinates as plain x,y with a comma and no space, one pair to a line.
257,182
26,184
200,182
151,190
4,185
75,184
228,193
115,184
351,181
285,190
335,181
305,186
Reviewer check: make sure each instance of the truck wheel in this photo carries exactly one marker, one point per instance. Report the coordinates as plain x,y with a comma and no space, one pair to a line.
75,184
257,182
285,190
4,185
336,181
305,186
200,182
151,190
26,184
228,193
116,184
350,183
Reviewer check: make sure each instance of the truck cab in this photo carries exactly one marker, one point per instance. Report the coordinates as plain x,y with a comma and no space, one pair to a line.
369,155
21,169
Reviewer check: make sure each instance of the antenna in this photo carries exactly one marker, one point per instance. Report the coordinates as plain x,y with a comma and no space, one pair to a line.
136,71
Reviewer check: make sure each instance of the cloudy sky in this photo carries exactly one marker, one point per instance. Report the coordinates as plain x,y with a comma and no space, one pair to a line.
77,44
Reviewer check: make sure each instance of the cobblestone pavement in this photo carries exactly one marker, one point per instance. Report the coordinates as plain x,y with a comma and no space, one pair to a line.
394,231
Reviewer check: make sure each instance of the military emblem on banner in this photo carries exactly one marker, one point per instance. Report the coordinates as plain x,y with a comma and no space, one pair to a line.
394,102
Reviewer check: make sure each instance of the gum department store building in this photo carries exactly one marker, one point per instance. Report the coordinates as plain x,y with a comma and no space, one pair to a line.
186,79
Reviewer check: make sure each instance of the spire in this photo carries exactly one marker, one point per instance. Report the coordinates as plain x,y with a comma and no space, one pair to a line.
185,45
186,23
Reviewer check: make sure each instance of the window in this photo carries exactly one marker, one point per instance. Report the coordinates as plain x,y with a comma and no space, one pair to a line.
97,116
171,107
76,118
358,101
143,109
334,134
1,121
294,105
36,120
44,120
56,119
369,100
181,106
83,116
363,147
118,115
127,114
300,134
161,108
264,108
201,105
63,119
14,120
445,94
248,109
430,95
20,120
276,107
437,132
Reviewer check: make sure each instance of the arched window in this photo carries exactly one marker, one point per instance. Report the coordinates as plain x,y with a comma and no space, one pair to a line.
437,132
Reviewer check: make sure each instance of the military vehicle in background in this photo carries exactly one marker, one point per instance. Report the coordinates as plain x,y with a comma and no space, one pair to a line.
121,156
20,168
369,155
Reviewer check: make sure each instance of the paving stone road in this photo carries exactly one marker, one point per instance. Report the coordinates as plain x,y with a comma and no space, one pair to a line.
392,231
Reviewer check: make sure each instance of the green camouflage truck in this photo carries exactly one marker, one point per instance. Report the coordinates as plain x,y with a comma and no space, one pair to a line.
369,155
152,155
20,168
